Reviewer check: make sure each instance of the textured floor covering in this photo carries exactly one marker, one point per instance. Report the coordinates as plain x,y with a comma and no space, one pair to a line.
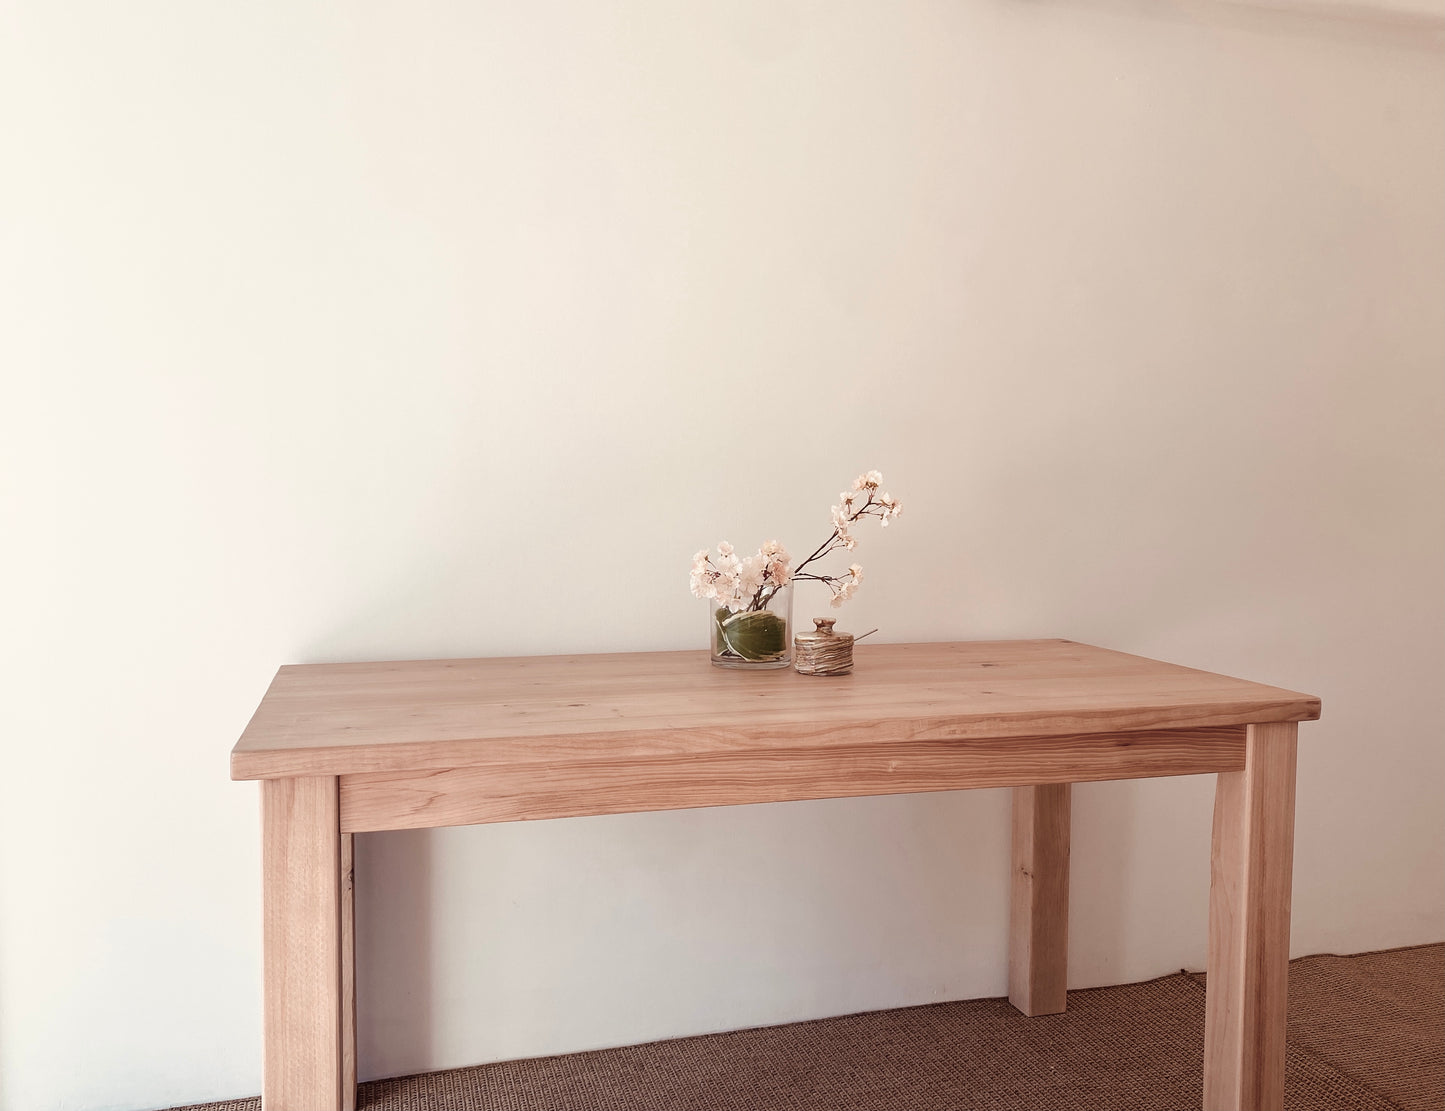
1365,1032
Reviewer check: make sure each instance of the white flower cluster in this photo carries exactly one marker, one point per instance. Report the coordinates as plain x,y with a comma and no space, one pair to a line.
843,586
740,584
864,500
748,583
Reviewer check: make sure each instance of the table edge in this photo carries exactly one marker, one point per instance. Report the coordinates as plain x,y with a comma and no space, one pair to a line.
509,751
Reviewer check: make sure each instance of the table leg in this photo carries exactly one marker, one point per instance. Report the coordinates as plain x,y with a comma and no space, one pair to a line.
1249,898
348,975
1039,908
302,940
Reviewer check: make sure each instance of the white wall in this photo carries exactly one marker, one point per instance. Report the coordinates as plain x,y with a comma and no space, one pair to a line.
386,330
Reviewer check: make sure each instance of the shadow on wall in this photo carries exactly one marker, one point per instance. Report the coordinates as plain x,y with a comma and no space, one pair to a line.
1101,863
393,949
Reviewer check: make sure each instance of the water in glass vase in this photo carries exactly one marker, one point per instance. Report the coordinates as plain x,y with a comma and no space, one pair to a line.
757,637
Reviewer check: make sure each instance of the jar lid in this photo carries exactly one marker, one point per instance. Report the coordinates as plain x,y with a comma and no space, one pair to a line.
824,632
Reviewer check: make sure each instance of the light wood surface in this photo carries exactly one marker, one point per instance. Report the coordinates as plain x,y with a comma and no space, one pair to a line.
1038,964
1249,906
345,748
301,907
527,792
348,974
340,719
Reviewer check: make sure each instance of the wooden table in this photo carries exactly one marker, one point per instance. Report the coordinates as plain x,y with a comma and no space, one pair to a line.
346,748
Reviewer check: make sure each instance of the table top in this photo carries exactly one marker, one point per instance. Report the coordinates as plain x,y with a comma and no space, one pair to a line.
341,719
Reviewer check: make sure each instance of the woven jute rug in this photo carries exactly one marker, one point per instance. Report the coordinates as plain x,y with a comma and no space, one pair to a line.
1365,1033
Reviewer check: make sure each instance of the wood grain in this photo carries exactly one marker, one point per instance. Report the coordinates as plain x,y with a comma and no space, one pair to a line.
339,719
346,748
525,792
1039,906
301,859
1249,907
348,974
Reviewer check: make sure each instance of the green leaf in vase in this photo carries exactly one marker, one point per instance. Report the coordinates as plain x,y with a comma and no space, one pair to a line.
754,635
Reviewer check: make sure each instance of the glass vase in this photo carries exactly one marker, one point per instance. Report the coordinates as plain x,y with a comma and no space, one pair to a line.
760,637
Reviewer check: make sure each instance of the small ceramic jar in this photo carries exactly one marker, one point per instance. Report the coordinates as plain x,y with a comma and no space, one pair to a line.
823,651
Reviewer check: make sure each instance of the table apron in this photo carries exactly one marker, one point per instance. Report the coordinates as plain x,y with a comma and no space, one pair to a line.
424,799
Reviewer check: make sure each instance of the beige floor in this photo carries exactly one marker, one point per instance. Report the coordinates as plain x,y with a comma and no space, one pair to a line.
1365,1032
